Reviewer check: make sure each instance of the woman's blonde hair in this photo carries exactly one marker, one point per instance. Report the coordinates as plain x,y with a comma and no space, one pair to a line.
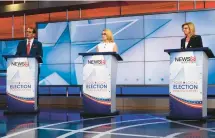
191,27
109,35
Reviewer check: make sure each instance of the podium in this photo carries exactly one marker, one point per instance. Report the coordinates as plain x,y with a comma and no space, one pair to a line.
99,83
22,83
188,83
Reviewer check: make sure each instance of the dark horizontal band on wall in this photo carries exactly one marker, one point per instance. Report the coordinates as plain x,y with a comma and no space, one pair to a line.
121,86
120,91
75,95
3,71
37,7
151,90
117,95
162,85
125,85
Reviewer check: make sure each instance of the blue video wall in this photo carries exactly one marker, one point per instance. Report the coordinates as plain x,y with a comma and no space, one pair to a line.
141,42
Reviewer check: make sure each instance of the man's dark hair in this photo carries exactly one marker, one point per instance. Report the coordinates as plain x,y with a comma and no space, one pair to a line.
34,30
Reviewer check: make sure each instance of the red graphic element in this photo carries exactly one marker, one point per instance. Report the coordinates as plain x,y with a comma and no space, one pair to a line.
188,104
101,102
22,100
193,59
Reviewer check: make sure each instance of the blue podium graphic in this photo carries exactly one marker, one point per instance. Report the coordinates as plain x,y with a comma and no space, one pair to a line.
22,80
188,82
99,82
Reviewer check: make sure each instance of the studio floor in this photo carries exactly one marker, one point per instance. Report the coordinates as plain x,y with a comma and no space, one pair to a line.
51,123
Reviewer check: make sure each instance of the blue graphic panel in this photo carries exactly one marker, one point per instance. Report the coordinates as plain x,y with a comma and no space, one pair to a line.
65,36
58,74
154,90
44,90
56,54
86,30
76,74
58,90
131,49
154,47
3,128
208,41
3,74
211,71
204,21
149,90
130,73
157,72
2,85
141,41
10,47
126,27
81,47
74,90
51,33
164,25
7,48
3,48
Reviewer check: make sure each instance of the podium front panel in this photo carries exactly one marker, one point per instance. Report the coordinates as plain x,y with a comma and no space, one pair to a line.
22,84
98,85
187,83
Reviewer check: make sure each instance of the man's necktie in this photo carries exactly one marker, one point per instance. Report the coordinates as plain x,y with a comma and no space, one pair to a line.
28,48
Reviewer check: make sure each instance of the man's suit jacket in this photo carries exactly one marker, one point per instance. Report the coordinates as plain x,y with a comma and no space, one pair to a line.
36,48
195,42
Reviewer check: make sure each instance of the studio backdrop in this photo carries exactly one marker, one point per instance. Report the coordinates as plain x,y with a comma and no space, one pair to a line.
141,42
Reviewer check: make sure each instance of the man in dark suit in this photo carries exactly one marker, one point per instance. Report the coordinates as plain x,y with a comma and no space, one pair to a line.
30,47
191,40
